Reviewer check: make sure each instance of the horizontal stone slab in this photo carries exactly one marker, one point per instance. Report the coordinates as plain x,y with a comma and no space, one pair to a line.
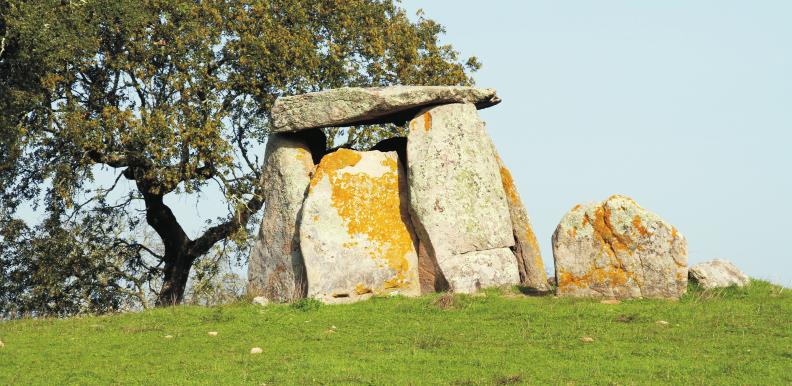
351,106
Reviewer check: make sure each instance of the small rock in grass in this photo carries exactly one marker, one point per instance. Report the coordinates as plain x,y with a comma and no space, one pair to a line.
260,300
610,301
256,350
212,333
2,344
662,322
168,336
586,339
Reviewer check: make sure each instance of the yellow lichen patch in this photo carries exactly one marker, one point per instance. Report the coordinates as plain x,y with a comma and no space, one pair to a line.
636,223
610,277
572,232
577,207
586,220
508,185
370,206
427,121
361,289
331,163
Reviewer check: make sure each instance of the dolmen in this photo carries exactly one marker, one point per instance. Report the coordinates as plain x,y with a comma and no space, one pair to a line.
435,211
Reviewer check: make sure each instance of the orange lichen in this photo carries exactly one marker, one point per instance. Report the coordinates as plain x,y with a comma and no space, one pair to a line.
611,240
370,206
514,200
508,185
361,289
636,222
427,121
610,277
332,162
577,207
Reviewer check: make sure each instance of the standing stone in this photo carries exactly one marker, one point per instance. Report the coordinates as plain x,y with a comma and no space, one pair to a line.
718,274
617,249
349,106
276,269
355,234
457,198
526,248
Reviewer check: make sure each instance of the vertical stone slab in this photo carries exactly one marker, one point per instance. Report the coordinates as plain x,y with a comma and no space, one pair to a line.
618,249
526,247
355,233
456,195
275,267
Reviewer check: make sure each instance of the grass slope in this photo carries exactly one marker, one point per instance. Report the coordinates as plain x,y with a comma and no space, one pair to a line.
733,336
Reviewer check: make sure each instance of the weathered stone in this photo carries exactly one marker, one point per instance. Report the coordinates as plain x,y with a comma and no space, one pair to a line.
457,198
617,249
526,248
276,269
456,192
355,106
429,273
469,272
355,234
718,274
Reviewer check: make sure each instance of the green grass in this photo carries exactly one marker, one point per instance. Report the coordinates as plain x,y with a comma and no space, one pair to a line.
732,336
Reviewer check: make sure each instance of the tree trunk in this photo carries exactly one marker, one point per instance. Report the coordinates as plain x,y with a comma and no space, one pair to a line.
177,271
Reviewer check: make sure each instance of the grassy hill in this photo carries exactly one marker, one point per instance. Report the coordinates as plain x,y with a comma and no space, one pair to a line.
732,336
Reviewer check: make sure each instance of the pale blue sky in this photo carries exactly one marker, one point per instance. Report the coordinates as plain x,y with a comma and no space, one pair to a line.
686,106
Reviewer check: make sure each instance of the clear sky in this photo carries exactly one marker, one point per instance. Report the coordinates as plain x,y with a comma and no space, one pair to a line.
686,106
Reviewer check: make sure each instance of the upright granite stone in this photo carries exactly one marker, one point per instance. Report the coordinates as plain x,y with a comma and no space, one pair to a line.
276,269
355,106
355,234
718,274
617,249
526,248
457,198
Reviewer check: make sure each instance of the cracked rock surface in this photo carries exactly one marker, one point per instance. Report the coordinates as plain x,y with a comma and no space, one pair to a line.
617,249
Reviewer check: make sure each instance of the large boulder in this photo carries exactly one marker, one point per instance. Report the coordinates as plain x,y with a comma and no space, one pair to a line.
275,268
457,198
355,106
617,249
355,234
718,274
526,247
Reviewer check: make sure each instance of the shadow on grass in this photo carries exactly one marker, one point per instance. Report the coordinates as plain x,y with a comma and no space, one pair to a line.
530,291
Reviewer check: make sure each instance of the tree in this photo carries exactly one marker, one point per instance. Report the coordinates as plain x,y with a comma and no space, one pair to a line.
174,95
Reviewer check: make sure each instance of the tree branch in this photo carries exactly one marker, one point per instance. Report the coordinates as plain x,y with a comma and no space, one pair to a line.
219,232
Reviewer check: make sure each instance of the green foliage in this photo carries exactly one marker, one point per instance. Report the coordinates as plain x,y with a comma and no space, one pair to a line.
713,337
174,96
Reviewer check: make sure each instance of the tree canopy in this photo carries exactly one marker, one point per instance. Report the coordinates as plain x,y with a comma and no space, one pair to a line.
173,95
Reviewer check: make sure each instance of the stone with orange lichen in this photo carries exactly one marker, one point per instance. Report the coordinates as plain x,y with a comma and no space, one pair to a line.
526,247
356,237
617,249
457,199
276,270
